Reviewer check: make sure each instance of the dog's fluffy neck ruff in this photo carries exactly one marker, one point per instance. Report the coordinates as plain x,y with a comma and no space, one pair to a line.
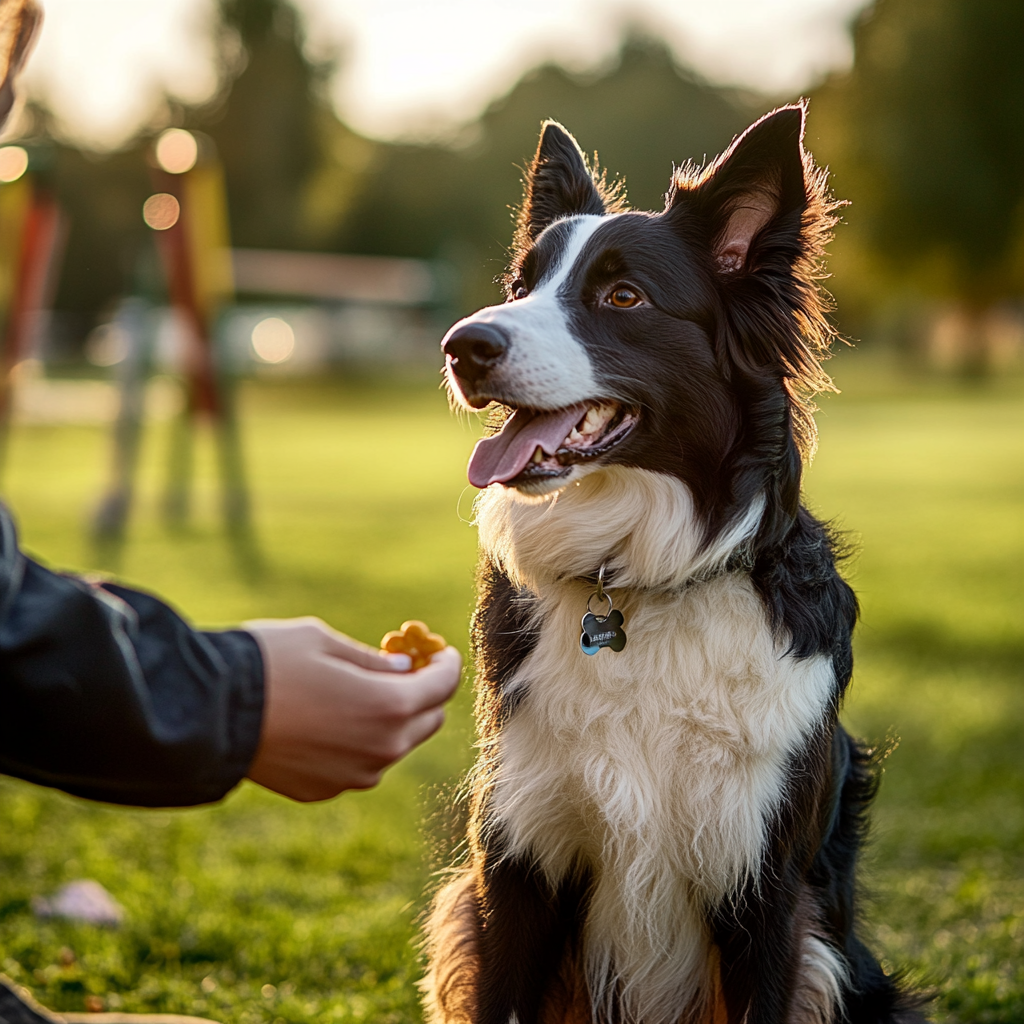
642,526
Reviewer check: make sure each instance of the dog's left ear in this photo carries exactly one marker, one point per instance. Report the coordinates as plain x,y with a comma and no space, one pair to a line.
559,183
758,181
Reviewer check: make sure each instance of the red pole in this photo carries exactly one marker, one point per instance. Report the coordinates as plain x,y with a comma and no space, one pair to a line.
181,283
39,243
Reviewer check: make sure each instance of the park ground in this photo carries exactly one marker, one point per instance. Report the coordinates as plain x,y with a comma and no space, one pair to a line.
259,910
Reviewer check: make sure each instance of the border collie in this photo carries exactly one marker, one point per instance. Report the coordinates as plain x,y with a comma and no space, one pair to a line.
666,831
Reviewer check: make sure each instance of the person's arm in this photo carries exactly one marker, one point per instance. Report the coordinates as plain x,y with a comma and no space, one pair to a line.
109,694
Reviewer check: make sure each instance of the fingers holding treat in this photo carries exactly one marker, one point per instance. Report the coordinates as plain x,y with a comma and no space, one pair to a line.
415,640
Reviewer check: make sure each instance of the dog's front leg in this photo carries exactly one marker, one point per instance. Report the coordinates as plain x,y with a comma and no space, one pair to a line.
758,943
525,928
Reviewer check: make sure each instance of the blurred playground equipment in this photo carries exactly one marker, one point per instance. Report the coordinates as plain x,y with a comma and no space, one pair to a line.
188,214
208,315
32,233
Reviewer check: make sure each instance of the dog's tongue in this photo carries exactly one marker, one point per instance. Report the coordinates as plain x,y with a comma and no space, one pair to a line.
505,455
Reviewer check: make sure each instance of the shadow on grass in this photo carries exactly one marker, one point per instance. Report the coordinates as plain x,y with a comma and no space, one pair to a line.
930,647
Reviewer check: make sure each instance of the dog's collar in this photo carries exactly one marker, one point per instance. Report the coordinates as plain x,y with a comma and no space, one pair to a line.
739,562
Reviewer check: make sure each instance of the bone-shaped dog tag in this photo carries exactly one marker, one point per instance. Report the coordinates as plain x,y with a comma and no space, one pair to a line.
602,631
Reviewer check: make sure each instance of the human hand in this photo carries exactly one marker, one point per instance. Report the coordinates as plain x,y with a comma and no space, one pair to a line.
336,712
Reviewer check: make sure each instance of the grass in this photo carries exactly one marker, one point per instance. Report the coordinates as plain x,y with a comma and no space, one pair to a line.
932,487
260,910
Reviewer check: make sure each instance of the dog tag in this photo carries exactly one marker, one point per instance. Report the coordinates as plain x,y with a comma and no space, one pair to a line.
602,631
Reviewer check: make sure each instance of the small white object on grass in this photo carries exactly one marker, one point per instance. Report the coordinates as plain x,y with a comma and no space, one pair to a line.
83,900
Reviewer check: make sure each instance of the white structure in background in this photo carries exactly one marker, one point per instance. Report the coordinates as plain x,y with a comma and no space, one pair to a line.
319,309
377,280
301,312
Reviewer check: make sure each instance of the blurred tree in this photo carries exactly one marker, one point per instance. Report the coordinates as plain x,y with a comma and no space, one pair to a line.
291,166
642,113
926,136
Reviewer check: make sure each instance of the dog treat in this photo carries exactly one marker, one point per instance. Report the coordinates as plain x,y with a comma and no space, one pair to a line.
414,639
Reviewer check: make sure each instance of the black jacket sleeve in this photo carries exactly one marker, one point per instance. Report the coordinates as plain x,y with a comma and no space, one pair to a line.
107,693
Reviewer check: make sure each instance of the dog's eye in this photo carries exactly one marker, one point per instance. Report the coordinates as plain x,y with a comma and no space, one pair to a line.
518,289
623,297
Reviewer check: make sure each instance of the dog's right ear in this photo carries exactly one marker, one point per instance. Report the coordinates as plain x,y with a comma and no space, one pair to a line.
559,183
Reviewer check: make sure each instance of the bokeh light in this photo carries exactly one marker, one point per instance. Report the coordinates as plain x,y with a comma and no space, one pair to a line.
273,340
177,151
161,211
107,345
13,163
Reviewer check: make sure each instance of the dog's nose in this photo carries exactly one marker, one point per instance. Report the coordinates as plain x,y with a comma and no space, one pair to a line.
475,349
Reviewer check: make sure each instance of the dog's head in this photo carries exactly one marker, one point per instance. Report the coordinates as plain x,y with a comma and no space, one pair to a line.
684,342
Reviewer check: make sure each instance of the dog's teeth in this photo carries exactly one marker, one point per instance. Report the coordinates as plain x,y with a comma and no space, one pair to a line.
538,455
574,435
596,418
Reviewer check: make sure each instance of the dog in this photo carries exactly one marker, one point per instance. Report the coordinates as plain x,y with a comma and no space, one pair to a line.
665,831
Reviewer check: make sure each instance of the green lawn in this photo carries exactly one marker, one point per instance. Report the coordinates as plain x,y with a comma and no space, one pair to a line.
260,910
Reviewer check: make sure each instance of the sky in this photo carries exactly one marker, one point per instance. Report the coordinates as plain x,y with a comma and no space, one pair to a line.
412,67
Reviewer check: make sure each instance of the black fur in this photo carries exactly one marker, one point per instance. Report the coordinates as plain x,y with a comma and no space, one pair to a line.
502,635
806,598
526,931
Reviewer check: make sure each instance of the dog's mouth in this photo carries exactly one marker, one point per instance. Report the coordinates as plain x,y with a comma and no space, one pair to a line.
536,445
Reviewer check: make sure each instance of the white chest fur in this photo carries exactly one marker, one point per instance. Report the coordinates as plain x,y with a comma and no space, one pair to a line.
659,767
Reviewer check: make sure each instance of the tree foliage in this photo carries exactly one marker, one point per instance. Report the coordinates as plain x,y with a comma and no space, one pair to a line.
290,164
642,114
926,136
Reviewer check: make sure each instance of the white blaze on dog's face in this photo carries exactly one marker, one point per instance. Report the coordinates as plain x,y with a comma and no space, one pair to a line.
546,365
528,355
